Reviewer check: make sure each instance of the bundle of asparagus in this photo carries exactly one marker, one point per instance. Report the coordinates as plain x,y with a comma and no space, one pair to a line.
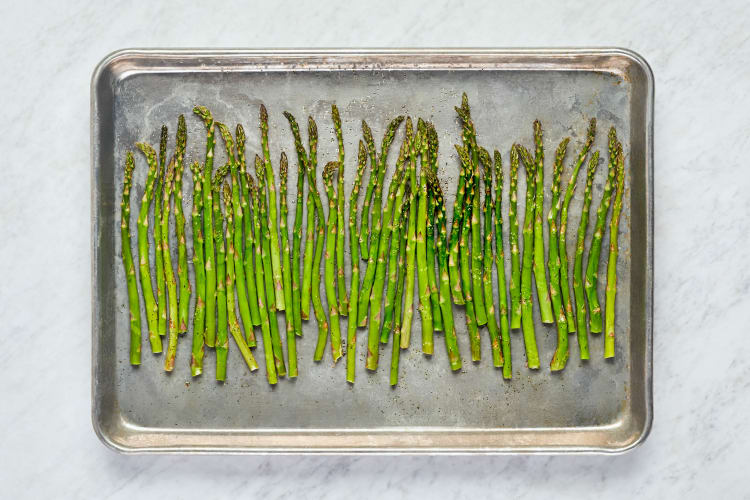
246,271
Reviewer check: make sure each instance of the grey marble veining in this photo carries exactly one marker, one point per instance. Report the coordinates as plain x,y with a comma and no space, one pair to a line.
699,53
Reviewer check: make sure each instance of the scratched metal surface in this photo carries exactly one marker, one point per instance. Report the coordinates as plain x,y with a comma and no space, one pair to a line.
591,406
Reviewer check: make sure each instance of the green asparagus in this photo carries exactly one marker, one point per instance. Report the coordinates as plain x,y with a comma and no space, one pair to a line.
515,261
500,265
333,309
614,226
540,274
199,313
134,304
291,337
179,216
351,325
560,358
527,305
161,284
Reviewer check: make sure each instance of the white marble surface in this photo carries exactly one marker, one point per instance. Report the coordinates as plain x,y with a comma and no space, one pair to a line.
700,54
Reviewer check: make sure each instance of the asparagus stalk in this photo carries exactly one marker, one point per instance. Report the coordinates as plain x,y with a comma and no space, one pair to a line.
303,163
560,358
500,264
221,273
465,262
565,281
364,231
260,279
444,299
208,226
134,304
199,314
161,285
583,339
296,244
425,305
540,276
320,315
238,220
179,217
402,242
343,298
230,198
270,287
470,142
152,310
614,225
222,340
515,261
278,279
457,225
411,239
291,340
393,272
489,299
453,249
333,310
437,317
351,325
395,198
377,222
592,269
252,292
527,305
168,270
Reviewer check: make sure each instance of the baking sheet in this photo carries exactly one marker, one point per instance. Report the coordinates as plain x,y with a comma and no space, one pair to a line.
594,406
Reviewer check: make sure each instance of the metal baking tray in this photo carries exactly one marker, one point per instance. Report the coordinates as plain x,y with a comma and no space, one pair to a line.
596,406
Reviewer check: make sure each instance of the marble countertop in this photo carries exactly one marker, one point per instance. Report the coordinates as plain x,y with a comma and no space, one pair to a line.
699,53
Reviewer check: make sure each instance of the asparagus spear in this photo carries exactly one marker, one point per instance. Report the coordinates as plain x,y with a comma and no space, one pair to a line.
351,325
515,262
278,353
465,262
161,285
252,292
230,197
343,299
296,244
134,304
609,338
583,339
457,225
396,348
333,310
303,163
565,281
560,358
143,250
453,248
364,231
393,272
168,270
470,142
437,317
291,340
395,198
444,299
222,340
540,276
221,272
320,315
527,305
592,269
489,299
260,279
425,305
179,217
199,314
208,226
377,222
411,239
278,279
500,264
238,220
